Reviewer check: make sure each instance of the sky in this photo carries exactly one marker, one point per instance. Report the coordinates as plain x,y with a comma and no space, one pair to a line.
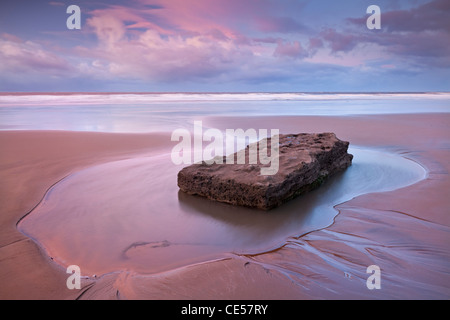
224,46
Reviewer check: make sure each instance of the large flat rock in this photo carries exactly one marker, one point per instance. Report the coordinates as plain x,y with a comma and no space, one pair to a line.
305,161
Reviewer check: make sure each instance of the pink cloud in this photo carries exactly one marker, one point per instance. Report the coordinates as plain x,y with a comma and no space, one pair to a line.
108,29
171,40
315,43
168,40
189,18
152,56
420,35
231,17
388,66
290,49
10,37
340,41
30,57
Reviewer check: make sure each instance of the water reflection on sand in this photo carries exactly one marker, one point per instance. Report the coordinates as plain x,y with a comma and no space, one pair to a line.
130,214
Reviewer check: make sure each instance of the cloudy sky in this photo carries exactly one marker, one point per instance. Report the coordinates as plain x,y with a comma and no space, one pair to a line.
225,46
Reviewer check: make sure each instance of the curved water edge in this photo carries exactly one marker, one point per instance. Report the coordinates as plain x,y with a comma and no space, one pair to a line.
130,215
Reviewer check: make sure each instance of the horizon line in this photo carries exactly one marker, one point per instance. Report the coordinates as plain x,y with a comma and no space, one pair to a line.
212,92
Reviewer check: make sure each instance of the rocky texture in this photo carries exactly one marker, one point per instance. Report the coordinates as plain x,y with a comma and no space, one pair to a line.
305,161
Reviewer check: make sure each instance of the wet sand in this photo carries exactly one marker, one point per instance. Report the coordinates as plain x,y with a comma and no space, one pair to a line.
129,214
406,232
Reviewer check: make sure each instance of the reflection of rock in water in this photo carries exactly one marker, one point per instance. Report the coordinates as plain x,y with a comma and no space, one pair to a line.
304,162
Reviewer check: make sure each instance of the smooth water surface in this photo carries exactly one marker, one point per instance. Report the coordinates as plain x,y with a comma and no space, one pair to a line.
130,214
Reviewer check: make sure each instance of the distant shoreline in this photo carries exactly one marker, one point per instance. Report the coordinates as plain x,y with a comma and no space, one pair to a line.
18,93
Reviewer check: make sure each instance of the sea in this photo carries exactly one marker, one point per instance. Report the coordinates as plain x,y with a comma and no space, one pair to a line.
153,112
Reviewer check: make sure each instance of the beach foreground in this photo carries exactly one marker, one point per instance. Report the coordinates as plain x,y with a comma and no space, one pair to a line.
406,232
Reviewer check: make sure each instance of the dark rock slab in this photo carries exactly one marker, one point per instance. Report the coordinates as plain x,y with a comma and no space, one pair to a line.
305,161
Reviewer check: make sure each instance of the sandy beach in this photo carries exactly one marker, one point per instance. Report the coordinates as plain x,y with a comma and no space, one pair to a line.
406,232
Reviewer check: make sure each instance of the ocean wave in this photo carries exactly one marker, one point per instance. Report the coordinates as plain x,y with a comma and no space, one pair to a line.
30,99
